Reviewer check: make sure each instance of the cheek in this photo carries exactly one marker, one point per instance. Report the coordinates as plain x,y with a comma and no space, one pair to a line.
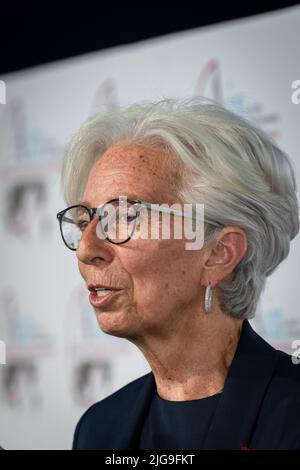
162,273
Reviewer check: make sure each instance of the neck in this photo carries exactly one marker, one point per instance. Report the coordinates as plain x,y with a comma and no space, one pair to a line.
192,361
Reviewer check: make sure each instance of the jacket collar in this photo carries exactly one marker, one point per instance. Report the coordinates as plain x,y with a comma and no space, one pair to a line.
247,380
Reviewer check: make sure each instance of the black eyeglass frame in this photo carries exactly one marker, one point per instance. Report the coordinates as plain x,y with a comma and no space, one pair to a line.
93,210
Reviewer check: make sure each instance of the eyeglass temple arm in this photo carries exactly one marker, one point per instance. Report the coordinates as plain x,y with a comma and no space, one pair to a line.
160,208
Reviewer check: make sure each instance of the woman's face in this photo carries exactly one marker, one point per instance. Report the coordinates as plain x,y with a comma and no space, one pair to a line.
159,278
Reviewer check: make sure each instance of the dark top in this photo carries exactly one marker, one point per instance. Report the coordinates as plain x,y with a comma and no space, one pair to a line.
258,408
177,425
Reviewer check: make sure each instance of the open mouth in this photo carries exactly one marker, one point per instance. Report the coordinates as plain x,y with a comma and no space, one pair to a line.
102,291
99,295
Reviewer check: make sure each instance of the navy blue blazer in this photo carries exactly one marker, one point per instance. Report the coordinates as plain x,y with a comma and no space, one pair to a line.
258,408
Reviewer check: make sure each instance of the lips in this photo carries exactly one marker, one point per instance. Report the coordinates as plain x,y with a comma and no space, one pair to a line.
96,300
93,287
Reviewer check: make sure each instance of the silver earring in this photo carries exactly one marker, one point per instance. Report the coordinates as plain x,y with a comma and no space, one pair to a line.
208,298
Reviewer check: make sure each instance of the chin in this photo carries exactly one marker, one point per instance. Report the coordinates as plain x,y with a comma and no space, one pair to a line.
110,324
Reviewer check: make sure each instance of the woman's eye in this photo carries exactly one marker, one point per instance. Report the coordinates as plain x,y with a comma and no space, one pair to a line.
128,217
131,218
82,225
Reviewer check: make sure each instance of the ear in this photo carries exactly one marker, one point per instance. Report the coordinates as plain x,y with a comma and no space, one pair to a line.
223,254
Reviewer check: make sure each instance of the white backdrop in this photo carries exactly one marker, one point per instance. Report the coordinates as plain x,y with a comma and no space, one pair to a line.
58,361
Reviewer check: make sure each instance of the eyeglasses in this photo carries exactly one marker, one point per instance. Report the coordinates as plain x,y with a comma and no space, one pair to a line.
117,217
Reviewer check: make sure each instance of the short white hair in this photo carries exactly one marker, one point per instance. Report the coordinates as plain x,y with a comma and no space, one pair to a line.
235,169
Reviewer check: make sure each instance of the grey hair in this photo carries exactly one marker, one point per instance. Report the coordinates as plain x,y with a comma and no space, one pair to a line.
236,169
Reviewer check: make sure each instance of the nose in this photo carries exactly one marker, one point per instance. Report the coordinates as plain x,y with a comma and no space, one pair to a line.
93,249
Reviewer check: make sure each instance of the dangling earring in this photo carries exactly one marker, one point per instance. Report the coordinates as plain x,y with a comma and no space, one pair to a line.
208,298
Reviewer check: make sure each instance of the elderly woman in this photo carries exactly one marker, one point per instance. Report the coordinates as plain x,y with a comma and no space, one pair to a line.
214,382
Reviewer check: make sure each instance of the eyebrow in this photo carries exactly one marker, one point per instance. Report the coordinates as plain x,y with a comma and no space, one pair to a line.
129,196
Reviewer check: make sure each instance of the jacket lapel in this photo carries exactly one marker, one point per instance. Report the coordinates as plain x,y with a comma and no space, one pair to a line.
248,378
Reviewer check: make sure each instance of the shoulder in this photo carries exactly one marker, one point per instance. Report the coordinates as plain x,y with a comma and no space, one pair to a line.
279,417
283,396
121,396
286,372
104,410
287,375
